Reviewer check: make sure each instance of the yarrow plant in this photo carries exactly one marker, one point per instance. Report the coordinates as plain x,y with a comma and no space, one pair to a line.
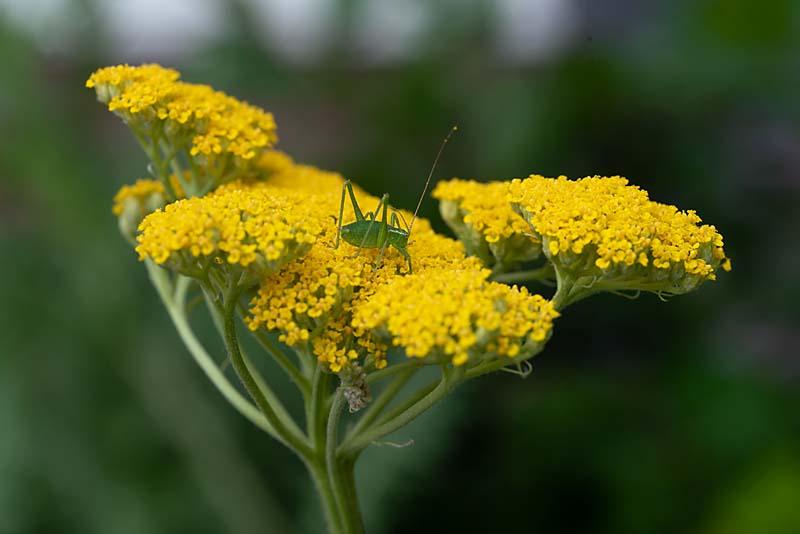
255,235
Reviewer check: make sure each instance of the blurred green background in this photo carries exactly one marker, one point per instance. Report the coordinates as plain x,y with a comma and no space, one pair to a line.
640,416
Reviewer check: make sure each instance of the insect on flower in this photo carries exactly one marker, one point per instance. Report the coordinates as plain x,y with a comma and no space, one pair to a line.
369,232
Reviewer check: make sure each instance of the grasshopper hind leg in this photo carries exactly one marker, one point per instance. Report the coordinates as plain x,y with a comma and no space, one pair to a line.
403,252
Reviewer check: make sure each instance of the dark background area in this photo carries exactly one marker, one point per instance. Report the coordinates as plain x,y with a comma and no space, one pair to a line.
643,416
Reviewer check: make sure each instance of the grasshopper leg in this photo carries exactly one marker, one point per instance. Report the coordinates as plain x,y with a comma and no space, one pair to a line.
403,252
383,231
373,222
341,214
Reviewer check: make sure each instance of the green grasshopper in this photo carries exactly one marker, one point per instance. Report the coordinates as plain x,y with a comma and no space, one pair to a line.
369,232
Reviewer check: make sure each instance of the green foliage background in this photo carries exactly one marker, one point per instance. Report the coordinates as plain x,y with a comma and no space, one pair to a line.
639,417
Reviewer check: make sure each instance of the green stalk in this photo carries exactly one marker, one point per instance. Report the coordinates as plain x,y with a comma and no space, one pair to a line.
495,365
347,479
283,425
341,473
393,370
175,308
154,154
284,362
406,403
217,312
317,466
172,161
331,439
351,447
378,405
279,356
319,474
565,285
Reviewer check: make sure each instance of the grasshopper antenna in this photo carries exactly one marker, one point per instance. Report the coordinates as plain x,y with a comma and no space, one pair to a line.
430,175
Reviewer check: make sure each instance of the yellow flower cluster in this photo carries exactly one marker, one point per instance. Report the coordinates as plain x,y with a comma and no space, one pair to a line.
311,300
482,218
605,228
457,316
297,299
252,225
150,96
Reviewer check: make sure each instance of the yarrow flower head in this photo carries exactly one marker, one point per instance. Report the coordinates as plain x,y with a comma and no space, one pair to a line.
314,302
482,218
253,226
612,236
218,132
311,301
457,316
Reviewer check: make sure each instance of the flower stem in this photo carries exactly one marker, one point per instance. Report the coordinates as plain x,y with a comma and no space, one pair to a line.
393,370
330,457
378,405
357,443
348,511
319,474
286,429
217,311
406,403
175,309
283,361
333,475
565,292
347,486
495,365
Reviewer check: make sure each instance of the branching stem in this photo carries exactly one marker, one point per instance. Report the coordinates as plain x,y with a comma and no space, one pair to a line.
450,378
